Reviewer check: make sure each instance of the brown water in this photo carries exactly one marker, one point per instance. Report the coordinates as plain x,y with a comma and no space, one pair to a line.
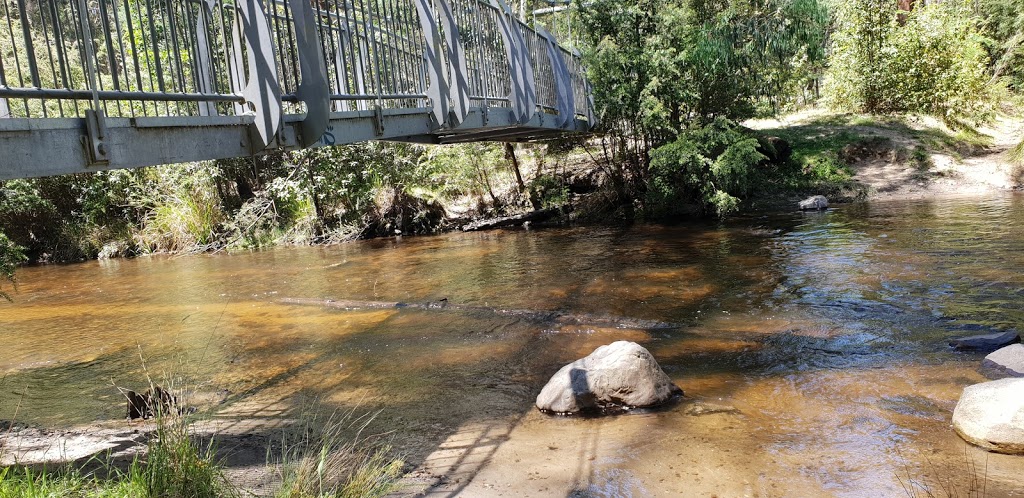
826,332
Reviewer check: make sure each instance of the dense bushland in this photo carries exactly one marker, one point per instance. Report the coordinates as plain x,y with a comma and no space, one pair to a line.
669,78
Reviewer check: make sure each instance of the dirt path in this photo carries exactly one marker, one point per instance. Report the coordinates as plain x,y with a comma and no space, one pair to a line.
944,172
914,157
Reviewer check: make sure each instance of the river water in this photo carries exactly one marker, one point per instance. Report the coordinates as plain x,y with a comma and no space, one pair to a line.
811,348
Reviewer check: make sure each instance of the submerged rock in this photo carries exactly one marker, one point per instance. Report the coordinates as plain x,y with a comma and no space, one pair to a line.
991,415
1006,362
986,342
700,408
814,203
620,375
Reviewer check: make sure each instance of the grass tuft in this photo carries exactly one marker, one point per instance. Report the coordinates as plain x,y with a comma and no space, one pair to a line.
334,459
178,464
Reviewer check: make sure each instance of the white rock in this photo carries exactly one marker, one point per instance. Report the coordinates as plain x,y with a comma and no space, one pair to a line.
1005,362
619,375
814,203
991,415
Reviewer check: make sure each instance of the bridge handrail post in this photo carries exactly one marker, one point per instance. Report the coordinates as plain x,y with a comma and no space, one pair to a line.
529,78
513,54
204,63
480,56
95,126
312,89
371,30
566,103
90,52
437,89
261,89
459,87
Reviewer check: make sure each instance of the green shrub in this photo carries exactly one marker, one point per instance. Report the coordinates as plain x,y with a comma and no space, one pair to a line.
1004,20
11,255
709,166
660,68
177,464
549,191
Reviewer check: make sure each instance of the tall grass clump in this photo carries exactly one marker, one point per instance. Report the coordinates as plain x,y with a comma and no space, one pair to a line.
176,463
68,482
333,458
184,209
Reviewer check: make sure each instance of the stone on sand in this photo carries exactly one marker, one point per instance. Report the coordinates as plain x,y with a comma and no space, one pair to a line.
991,415
1005,362
615,376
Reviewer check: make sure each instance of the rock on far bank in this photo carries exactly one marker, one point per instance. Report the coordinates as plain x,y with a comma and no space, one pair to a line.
986,342
991,415
618,375
1005,362
814,203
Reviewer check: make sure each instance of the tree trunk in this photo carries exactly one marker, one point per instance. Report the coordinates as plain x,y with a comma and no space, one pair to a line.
904,6
510,154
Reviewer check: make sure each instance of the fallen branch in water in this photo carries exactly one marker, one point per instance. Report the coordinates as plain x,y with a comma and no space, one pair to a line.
541,316
506,221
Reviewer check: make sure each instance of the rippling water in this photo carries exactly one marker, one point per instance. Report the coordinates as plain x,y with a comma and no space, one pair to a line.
826,331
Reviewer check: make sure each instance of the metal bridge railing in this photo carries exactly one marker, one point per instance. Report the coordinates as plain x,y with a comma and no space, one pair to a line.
263,60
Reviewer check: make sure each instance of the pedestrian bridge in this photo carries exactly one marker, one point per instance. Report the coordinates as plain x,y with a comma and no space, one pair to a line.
88,85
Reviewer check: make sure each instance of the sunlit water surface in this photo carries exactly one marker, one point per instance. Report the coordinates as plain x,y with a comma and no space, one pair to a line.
826,331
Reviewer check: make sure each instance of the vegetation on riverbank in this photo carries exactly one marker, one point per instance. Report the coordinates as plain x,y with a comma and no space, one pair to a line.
322,459
671,93
174,464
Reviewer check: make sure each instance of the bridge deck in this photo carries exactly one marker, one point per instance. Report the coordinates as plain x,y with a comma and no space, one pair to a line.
102,84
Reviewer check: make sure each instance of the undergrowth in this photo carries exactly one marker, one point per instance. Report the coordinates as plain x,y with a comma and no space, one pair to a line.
317,457
325,459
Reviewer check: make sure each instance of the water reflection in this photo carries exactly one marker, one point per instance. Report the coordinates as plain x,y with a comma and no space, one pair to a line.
826,331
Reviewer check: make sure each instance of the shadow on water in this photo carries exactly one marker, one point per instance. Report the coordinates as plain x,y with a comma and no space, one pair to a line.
823,337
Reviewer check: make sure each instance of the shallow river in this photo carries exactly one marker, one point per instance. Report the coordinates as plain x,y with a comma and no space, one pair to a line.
811,348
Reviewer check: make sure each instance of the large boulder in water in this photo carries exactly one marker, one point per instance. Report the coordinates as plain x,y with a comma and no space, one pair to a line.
1005,362
619,375
986,342
991,415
